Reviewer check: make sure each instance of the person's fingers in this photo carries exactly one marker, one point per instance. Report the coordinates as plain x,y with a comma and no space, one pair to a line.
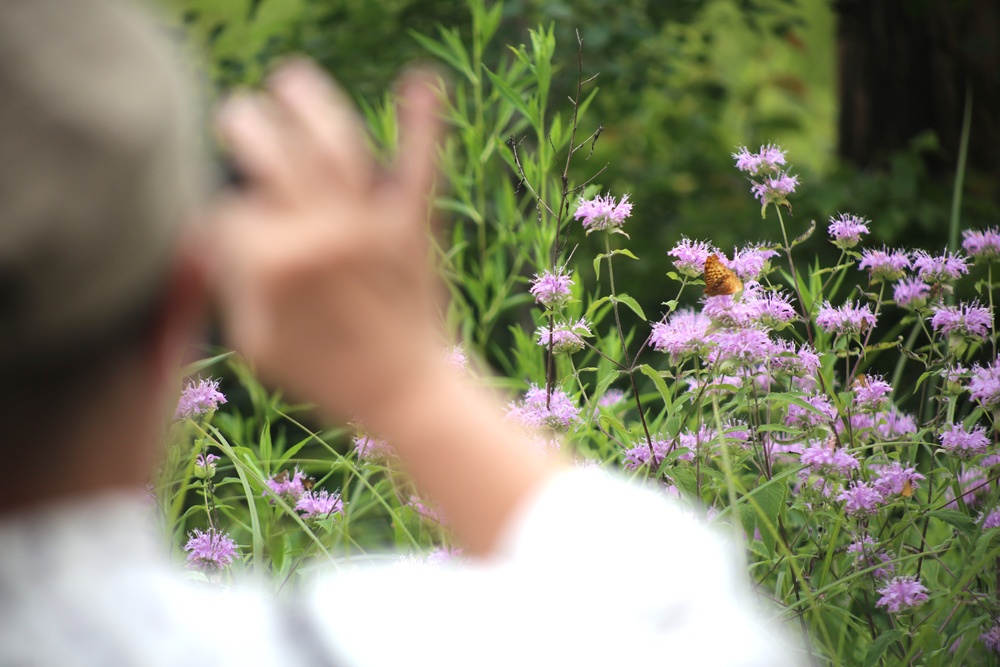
254,138
420,133
330,127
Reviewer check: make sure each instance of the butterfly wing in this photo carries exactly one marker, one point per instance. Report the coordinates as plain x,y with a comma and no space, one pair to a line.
719,280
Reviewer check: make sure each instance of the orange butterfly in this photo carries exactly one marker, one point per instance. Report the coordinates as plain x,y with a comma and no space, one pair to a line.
718,279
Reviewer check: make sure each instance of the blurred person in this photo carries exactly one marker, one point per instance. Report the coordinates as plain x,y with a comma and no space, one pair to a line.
110,251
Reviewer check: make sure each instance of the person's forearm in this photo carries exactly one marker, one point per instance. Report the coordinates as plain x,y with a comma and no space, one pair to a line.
459,450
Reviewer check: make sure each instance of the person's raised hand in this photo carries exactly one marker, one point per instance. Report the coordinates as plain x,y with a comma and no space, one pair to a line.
322,276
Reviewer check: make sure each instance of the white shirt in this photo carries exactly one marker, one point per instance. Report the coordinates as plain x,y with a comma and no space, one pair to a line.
592,571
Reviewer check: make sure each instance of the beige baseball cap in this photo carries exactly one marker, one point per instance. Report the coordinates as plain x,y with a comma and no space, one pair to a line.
99,168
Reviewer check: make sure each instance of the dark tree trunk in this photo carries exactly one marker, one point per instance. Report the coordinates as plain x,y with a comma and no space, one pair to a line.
905,66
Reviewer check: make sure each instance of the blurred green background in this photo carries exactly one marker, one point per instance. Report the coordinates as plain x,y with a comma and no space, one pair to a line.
682,85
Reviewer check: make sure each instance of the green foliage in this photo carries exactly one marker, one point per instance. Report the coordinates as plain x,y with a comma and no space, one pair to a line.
532,132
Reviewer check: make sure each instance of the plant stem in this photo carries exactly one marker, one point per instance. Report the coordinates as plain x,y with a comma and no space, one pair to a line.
621,335
795,277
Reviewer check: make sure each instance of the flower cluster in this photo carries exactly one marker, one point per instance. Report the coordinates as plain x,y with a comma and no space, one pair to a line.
690,256
204,466
319,504
551,290
943,268
969,320
964,443
199,398
602,213
901,593
539,409
287,487
984,384
867,555
210,551
848,320
644,453
885,264
368,448
564,337
895,480
769,183
983,244
845,230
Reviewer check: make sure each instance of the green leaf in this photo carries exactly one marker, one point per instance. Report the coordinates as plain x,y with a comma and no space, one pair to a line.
595,304
266,449
961,521
632,304
511,95
769,503
458,61
878,647
624,251
661,385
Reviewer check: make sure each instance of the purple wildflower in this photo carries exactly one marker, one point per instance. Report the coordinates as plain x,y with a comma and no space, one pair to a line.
798,362
895,480
861,499
551,289
443,555
610,399
693,442
967,319
682,334
639,455
827,460
983,244
371,449
849,319
757,308
750,262
965,444
911,293
892,424
901,593
866,555
210,551
973,486
991,520
775,189
991,638
199,398
204,466
871,392
603,212
206,461
532,412
456,357
691,255
321,504
822,412
846,230
744,346
288,488
565,337
884,264
939,269
717,384
769,160
427,510
984,385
